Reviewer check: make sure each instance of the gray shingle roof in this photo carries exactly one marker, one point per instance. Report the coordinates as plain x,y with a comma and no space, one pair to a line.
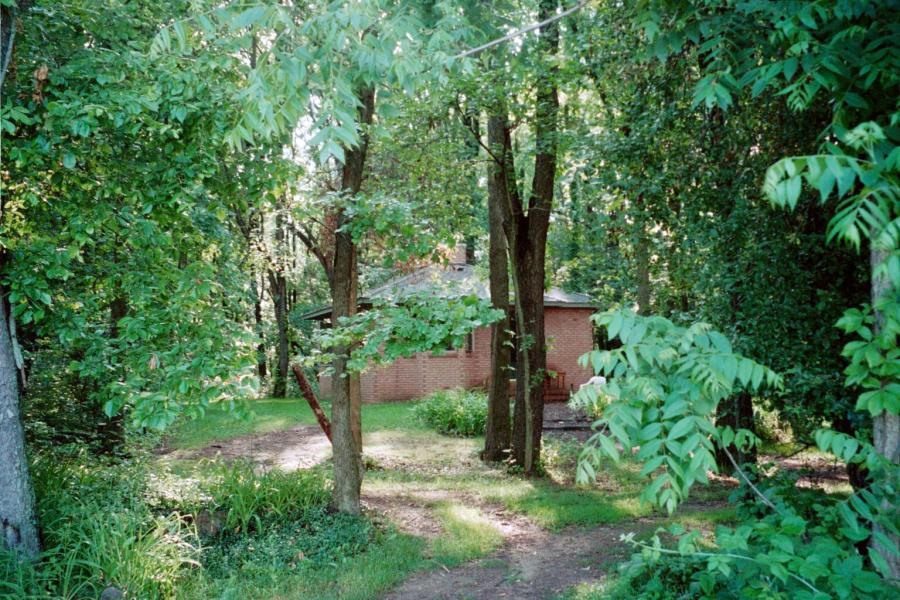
452,280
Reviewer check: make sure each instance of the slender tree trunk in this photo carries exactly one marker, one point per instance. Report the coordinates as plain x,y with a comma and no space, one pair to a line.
886,426
496,437
18,522
279,292
118,310
261,368
642,258
282,350
346,402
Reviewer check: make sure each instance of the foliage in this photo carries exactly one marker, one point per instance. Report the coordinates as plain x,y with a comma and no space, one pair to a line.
665,384
401,327
454,412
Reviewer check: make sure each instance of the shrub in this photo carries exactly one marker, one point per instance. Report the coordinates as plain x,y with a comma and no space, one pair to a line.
250,500
454,412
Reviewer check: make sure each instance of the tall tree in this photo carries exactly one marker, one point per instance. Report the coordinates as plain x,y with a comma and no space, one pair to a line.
526,224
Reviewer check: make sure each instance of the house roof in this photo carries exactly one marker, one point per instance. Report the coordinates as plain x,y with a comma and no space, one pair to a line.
453,280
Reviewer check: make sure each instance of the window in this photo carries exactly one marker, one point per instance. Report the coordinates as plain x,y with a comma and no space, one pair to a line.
470,343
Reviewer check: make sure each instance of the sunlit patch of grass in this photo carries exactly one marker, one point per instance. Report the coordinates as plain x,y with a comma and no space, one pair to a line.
467,534
421,450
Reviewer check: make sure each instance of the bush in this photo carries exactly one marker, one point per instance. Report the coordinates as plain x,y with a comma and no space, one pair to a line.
454,412
248,500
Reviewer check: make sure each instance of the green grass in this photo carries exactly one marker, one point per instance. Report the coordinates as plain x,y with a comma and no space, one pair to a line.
467,534
386,563
276,414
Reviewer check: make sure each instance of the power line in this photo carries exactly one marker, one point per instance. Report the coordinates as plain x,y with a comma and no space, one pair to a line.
521,31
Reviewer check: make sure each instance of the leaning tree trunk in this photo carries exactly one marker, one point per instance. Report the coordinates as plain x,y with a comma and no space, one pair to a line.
497,434
346,402
18,522
886,426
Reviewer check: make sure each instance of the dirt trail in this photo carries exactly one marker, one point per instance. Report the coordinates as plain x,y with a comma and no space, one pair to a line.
299,447
537,566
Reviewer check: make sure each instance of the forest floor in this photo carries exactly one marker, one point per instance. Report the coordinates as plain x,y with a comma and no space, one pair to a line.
485,533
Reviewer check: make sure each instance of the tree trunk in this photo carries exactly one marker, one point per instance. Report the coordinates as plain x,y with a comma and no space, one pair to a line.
279,291
496,435
737,413
18,522
278,285
642,258
261,369
346,402
528,417
886,426
115,438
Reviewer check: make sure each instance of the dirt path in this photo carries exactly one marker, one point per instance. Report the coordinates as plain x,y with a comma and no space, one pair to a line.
536,566
299,447
532,564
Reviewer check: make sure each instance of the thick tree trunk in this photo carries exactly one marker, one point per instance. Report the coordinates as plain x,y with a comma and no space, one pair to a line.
346,402
528,418
18,523
737,413
497,434
886,426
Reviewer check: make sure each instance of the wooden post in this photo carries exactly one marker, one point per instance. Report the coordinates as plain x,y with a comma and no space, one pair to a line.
310,396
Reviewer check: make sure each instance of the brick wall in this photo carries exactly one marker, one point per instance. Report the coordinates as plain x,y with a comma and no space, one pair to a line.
568,333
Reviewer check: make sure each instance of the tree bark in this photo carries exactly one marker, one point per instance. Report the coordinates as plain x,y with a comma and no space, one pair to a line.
278,287
346,403
18,522
886,426
497,429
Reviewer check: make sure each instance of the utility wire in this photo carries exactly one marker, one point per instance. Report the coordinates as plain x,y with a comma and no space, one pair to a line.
523,30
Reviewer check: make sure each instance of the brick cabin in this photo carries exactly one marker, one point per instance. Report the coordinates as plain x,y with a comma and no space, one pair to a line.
568,330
